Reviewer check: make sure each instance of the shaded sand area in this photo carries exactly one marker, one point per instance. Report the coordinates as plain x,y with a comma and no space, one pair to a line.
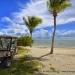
62,62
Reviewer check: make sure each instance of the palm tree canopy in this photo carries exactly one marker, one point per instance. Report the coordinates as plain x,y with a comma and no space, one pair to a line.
57,5
32,22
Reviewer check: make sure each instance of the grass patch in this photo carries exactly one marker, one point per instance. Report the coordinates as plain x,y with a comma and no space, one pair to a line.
52,68
21,66
21,50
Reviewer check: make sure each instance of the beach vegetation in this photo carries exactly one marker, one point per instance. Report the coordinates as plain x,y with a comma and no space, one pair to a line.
31,22
22,50
52,68
54,7
24,41
21,65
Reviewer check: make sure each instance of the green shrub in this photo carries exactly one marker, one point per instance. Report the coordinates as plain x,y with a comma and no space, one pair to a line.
24,41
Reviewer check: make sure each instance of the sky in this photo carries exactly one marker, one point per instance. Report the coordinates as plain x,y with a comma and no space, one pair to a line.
12,12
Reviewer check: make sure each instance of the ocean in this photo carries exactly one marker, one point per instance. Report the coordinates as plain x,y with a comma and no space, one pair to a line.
59,42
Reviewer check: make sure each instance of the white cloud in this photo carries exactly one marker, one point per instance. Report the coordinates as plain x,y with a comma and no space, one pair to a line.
39,8
64,33
42,33
6,19
70,33
17,29
1,33
46,34
13,28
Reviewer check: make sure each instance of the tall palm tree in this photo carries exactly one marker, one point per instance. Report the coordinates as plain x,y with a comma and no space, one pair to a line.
31,23
54,7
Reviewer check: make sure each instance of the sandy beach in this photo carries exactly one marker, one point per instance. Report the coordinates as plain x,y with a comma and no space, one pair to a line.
62,62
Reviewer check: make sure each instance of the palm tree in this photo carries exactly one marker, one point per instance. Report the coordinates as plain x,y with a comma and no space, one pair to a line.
31,23
54,7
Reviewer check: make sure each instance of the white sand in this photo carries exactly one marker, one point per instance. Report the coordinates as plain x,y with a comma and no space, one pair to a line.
63,60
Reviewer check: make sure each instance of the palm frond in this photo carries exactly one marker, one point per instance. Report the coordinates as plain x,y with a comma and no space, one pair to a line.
62,7
63,1
26,22
57,5
32,22
49,5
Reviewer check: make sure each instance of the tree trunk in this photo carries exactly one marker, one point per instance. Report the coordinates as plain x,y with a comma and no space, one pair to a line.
31,39
52,45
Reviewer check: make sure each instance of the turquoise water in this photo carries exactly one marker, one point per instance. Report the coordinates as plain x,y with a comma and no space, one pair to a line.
59,42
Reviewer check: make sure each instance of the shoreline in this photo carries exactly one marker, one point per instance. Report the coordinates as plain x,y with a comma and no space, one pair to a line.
50,47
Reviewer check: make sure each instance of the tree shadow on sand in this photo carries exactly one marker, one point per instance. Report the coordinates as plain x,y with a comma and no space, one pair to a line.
45,55
41,74
38,58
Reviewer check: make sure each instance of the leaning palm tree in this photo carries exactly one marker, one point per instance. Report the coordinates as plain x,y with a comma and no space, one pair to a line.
54,7
31,23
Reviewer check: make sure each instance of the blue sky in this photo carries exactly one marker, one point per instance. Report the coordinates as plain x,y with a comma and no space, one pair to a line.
12,11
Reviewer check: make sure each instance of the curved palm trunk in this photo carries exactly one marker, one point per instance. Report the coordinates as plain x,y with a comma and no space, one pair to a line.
52,45
31,39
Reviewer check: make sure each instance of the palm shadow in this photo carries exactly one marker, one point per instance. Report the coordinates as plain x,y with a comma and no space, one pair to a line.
41,74
44,55
36,58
